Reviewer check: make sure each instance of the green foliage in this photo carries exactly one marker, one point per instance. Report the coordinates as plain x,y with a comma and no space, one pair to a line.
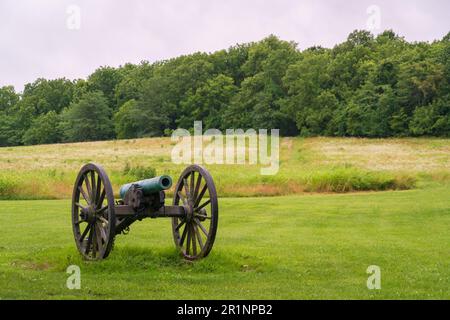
132,79
156,108
8,187
433,119
208,101
138,172
345,179
7,130
105,80
368,86
8,98
259,101
48,95
44,129
16,122
88,119
128,121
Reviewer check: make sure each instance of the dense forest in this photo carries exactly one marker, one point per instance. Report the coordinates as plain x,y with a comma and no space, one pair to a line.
367,86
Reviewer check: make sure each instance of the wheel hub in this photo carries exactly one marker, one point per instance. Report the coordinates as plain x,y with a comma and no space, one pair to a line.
89,214
189,213
201,214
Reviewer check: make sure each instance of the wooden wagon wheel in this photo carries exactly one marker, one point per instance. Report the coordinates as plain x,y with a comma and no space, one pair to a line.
93,217
194,234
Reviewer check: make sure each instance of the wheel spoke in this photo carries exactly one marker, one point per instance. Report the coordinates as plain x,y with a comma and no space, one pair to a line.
98,237
200,196
94,187
102,219
101,210
183,199
194,241
203,205
88,245
94,241
199,236
80,206
88,227
188,243
88,186
102,232
100,201
99,188
183,236
197,187
201,226
186,189
191,187
180,225
83,193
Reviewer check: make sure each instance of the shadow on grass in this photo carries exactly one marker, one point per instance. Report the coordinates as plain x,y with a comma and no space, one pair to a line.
130,259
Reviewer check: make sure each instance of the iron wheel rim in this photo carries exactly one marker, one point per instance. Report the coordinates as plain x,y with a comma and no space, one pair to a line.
193,235
93,216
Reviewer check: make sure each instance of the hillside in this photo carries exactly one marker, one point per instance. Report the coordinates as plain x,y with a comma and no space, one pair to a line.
306,165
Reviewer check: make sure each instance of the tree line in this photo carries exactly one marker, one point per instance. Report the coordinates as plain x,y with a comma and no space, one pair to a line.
367,86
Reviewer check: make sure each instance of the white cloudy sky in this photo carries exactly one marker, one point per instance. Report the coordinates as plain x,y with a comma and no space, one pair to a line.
36,42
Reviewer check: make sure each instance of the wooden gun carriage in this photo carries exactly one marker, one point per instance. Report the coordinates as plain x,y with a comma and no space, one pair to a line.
97,217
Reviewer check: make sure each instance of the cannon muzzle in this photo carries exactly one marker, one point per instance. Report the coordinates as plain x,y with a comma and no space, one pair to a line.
148,186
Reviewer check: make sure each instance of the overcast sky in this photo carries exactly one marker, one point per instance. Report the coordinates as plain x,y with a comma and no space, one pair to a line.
54,38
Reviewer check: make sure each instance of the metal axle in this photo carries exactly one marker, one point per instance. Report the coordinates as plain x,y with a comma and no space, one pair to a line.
147,212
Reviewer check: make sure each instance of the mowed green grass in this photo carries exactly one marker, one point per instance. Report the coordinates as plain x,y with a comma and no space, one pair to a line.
292,247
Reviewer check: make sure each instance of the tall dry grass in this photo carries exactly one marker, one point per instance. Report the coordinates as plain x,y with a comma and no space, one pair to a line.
306,165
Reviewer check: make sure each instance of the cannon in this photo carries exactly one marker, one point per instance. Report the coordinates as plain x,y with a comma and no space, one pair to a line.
97,217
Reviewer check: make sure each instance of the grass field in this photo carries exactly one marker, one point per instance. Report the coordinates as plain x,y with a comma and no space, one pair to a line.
313,238
306,165
294,247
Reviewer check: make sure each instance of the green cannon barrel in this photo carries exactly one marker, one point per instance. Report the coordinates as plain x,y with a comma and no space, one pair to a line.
149,186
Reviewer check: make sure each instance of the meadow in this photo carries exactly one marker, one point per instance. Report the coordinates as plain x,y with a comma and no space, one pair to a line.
336,207
306,165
